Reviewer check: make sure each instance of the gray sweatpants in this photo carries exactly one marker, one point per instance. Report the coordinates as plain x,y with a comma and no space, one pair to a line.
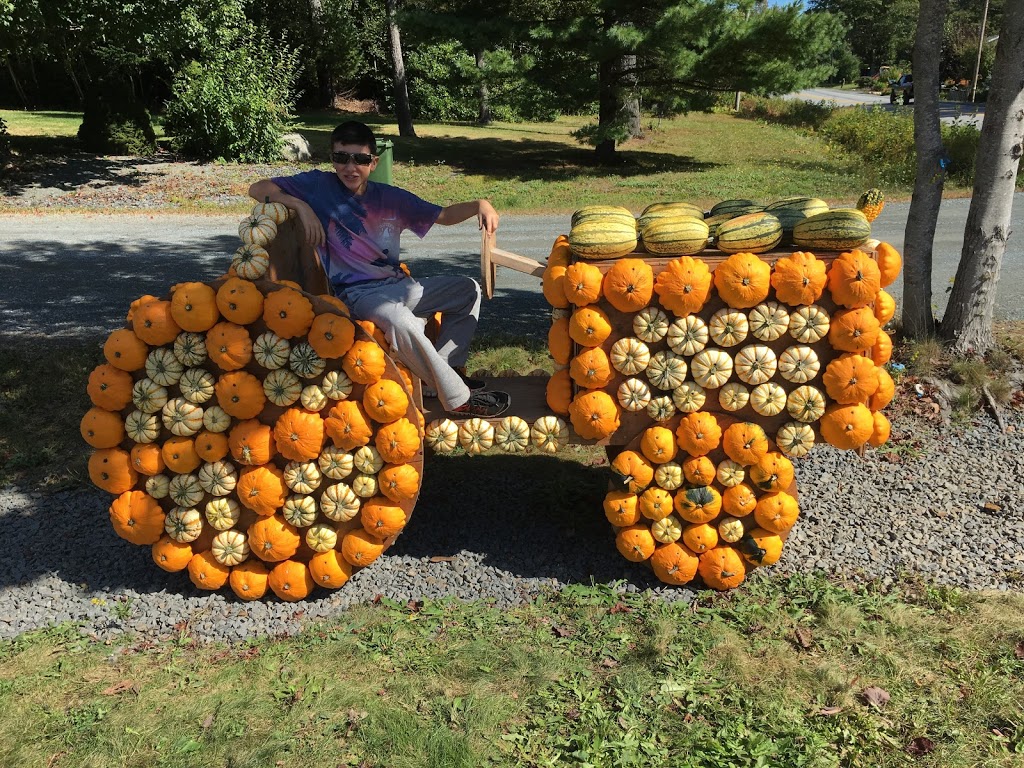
400,307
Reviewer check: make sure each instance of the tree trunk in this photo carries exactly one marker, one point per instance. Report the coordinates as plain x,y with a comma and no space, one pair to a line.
324,86
607,110
17,84
481,92
403,112
967,324
631,102
918,321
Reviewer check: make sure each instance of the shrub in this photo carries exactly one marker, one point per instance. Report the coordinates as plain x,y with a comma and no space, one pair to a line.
236,106
792,112
961,143
884,139
114,122
5,146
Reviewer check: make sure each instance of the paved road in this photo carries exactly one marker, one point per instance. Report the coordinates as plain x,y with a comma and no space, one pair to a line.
73,276
949,111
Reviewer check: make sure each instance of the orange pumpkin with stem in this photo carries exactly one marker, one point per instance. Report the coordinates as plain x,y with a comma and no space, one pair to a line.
398,442
248,580
655,504
559,341
252,442
635,543
331,335
359,548
776,512
385,400
674,564
382,517
722,568
739,500
347,425
287,313
774,472
889,263
589,326
799,278
125,351
239,301
698,433
558,392
364,362
591,369
273,539
594,414
853,279
170,555
761,547
853,330
229,346
154,323
147,459
582,283
329,569
684,285
179,454
206,573
632,471
743,280
698,470
109,387
262,489
745,443
101,428
621,508
700,504
194,306
399,482
211,446
658,444
137,517
299,434
629,284
291,580
111,469
850,378
846,426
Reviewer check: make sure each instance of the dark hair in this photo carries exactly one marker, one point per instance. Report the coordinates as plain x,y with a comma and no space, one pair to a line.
354,132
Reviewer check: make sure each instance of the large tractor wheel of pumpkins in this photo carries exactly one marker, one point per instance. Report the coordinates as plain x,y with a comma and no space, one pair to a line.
255,436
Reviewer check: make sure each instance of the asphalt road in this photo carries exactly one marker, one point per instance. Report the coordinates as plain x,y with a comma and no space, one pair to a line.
73,276
949,111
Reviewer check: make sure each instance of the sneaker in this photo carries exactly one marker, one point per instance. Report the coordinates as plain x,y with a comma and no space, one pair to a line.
483,404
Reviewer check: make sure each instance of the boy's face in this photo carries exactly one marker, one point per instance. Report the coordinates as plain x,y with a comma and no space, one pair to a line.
353,173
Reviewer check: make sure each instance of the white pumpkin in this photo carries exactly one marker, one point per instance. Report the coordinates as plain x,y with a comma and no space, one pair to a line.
190,348
633,395
335,462
733,396
548,433
629,356
728,327
148,396
313,398
299,510
512,434
689,397
367,460
768,321
669,476
142,427
196,385
302,476
441,436
222,513
185,490
661,408
768,399
799,364
157,486
666,370
688,335
476,436
650,324
321,537
809,324
183,524
730,529
667,530
163,367
216,419
340,503
336,385
806,403
181,417
271,351
711,367
230,547
795,439
364,486
217,478
730,473
282,387
755,364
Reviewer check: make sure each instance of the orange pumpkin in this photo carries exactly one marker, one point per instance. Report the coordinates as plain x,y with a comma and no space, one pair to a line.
881,353
698,433
329,569
194,306
850,378
398,442
698,470
299,434
558,392
853,279
658,444
700,537
382,517
684,285
799,278
229,346
110,387
251,442
331,335
273,539
240,394
885,392
591,369
359,548
881,429
364,362
154,323
347,425
589,326
559,341
846,426
594,414
621,508
248,580
385,401
206,572
147,459
722,568
239,301
853,330
743,280
399,482
172,556
629,284
776,512
111,469
632,471
101,428
674,564
137,517
635,543
291,580
125,351
287,313
700,504
745,443
211,446
582,283
774,472
885,307
762,547
553,285
655,504
889,263
262,489
739,500
179,454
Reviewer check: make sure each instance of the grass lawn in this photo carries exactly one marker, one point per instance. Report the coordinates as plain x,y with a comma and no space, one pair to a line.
785,672
541,168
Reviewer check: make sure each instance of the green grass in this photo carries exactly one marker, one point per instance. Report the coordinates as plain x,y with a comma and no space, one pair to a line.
539,167
771,675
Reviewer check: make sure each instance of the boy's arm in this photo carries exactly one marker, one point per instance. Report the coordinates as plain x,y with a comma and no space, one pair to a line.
486,216
265,189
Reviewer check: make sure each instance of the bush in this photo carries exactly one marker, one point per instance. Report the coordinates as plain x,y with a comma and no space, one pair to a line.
116,123
792,112
884,139
961,143
235,107
6,152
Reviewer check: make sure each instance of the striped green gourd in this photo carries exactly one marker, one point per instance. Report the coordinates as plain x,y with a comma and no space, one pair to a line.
713,222
600,212
677,236
836,230
735,207
607,238
677,208
750,233
792,210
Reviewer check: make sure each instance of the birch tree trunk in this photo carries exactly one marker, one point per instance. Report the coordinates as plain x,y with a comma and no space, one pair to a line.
967,324
918,321
483,97
403,112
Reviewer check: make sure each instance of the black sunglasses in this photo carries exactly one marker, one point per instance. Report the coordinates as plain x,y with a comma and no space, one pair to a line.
359,158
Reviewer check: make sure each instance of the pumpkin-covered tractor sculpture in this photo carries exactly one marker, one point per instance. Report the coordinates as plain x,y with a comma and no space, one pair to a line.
257,437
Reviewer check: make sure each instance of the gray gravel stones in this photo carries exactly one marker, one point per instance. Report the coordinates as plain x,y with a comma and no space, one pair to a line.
951,514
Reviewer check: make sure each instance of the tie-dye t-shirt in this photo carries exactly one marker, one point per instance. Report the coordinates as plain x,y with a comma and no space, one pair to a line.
362,232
